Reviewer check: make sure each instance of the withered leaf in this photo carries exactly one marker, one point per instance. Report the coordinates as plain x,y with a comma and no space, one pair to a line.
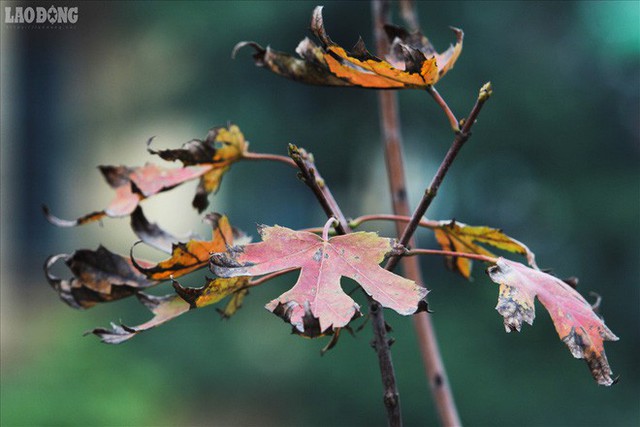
169,307
412,63
163,308
99,276
207,160
214,291
222,147
194,254
317,293
133,185
576,324
458,237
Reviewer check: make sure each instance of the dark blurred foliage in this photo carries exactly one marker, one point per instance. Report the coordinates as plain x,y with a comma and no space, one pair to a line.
553,161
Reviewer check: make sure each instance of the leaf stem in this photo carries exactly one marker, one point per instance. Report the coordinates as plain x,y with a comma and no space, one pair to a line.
453,121
477,257
327,226
269,157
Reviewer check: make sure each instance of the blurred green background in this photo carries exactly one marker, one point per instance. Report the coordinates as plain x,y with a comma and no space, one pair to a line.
553,161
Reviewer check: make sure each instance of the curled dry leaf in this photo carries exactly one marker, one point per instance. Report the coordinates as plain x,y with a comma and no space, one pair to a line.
194,254
103,276
169,307
219,150
131,186
412,63
163,308
577,325
99,276
207,160
317,294
214,291
458,237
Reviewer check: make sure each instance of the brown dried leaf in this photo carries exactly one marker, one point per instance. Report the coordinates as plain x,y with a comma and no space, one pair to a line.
99,276
412,63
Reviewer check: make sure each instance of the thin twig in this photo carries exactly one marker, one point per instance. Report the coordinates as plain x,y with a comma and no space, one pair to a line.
453,121
259,281
389,115
477,257
269,157
355,223
310,176
431,191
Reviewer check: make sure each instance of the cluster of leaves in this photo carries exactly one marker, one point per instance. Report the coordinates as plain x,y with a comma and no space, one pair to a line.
316,305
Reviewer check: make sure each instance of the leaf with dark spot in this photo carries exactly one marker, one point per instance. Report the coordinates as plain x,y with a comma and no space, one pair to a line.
317,293
412,63
582,330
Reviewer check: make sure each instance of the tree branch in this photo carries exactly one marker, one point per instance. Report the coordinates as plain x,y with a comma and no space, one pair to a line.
431,191
310,176
477,257
428,344
355,223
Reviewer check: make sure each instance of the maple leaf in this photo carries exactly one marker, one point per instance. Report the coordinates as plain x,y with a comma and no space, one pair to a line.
168,307
206,160
99,276
322,262
412,62
194,254
458,237
575,321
